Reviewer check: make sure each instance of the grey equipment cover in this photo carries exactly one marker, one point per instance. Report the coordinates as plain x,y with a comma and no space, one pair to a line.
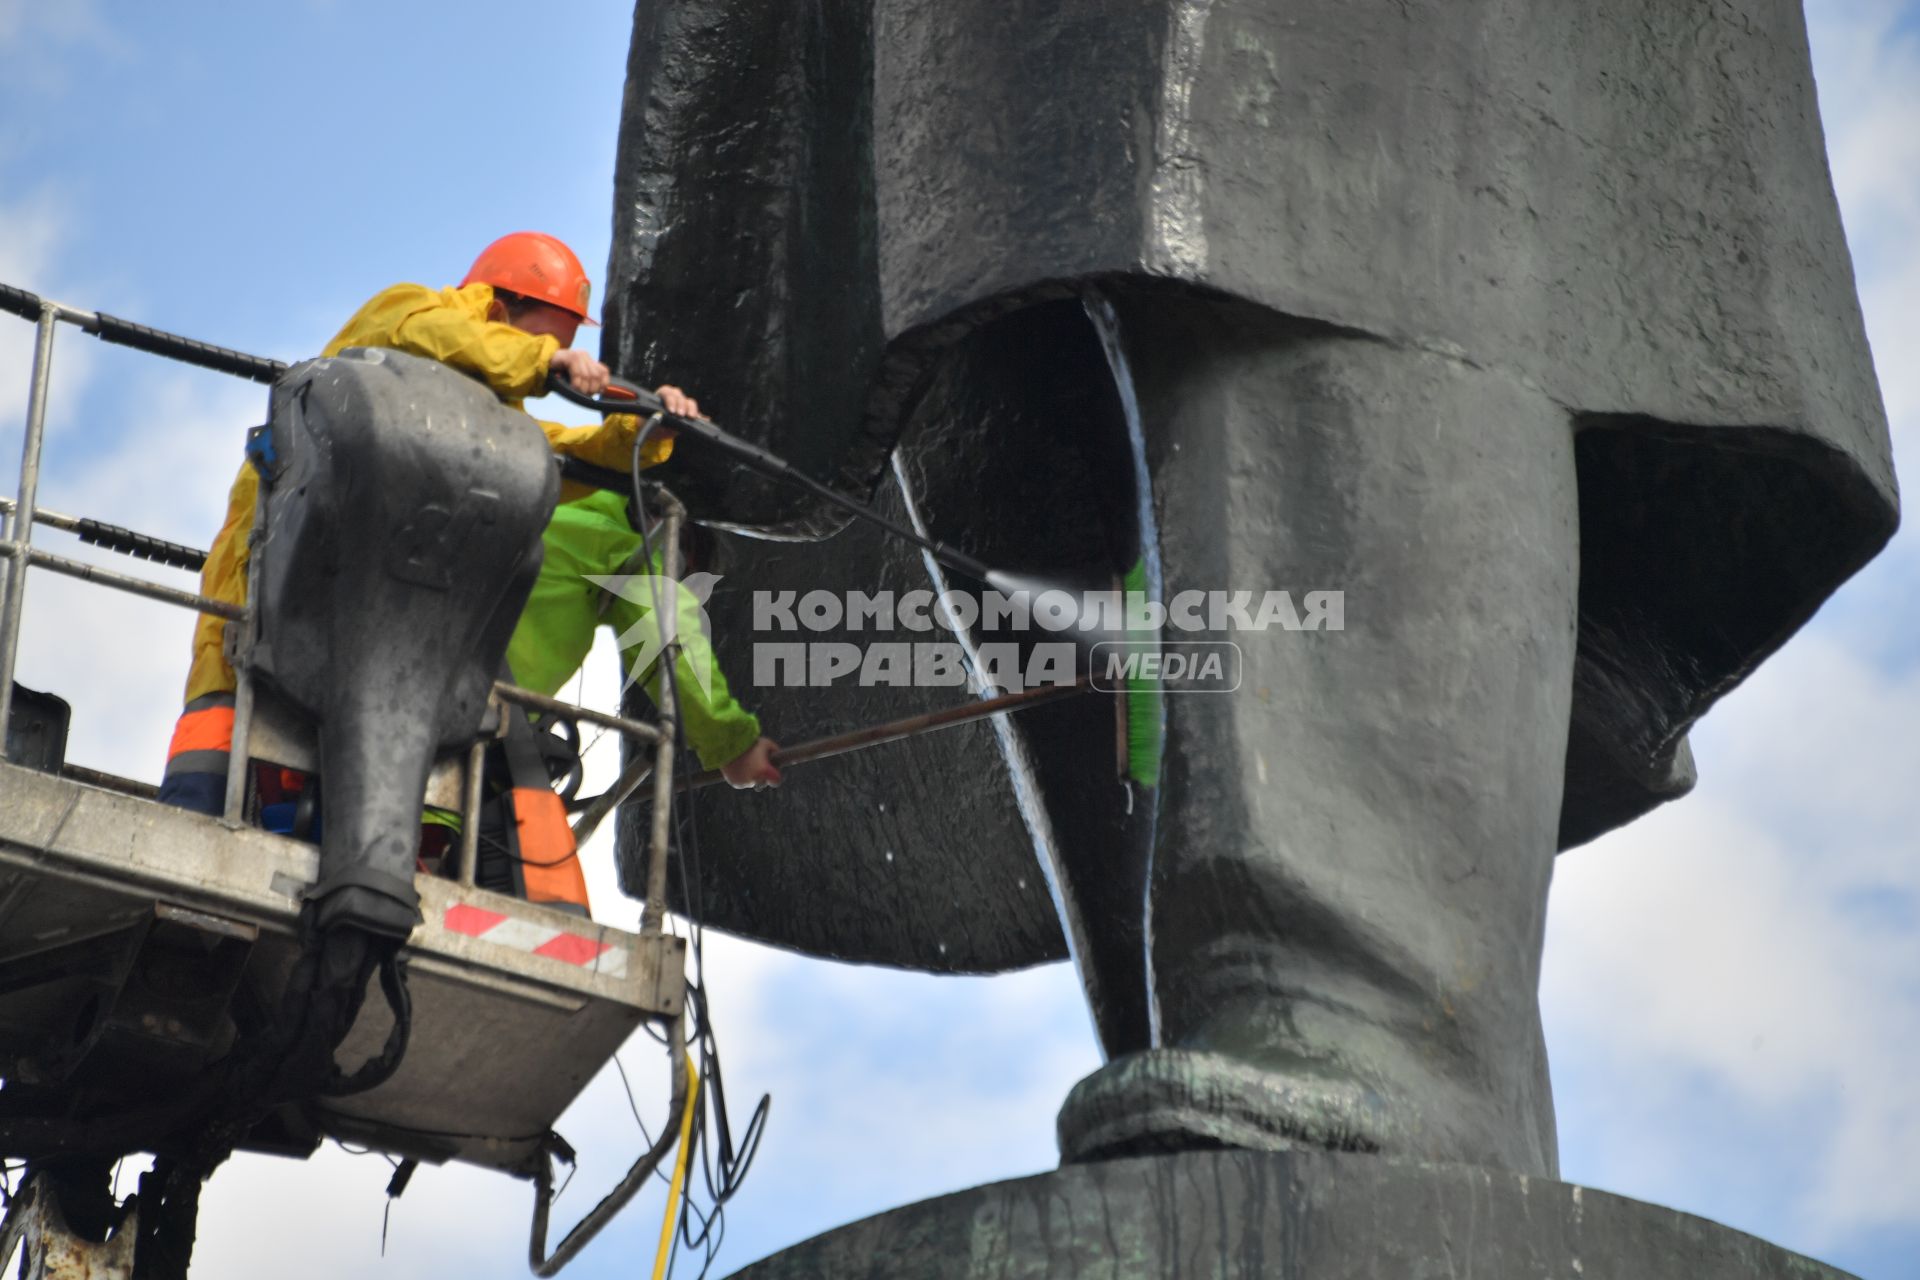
403,524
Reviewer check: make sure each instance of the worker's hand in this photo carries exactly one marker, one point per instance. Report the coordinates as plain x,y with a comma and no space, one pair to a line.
678,402
588,375
753,767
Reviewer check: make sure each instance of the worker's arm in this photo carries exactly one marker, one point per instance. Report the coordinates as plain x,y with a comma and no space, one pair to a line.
224,577
609,445
451,326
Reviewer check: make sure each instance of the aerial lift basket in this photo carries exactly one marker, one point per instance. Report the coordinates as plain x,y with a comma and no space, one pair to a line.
126,929
139,943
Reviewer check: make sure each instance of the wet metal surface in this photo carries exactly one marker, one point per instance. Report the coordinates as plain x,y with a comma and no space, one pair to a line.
1290,1216
1534,332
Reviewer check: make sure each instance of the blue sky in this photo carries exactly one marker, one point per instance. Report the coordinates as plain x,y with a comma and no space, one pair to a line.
1732,990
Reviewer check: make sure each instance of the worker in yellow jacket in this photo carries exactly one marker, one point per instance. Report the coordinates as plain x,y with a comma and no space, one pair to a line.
510,323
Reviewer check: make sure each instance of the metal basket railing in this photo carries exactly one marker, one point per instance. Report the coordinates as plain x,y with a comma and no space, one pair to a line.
19,515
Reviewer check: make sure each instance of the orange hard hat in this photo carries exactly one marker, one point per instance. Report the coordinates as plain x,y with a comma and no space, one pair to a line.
534,265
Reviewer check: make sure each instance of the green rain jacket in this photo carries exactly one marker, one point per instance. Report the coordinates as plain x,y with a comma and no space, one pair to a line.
591,538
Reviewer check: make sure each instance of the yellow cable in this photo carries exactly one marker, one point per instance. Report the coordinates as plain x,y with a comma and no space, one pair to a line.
679,1172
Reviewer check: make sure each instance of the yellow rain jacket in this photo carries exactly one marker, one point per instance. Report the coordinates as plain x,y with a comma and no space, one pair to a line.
448,325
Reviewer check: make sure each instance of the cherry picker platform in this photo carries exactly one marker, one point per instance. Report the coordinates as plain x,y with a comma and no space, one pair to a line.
129,927
188,986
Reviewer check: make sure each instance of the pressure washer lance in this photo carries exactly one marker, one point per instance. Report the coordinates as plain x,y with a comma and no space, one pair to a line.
911,727
838,744
624,397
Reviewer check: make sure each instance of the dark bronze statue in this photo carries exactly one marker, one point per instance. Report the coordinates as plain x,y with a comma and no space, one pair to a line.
1530,327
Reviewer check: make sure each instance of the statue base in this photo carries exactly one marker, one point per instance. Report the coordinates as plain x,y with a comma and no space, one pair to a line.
1298,1215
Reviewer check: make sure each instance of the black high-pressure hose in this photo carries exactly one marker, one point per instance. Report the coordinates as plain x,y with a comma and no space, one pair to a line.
623,397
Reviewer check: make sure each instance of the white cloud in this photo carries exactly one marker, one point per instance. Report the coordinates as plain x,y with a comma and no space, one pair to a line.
318,1219
1890,299
31,33
13,19
1763,938
1867,62
30,238
32,247
120,660
1864,60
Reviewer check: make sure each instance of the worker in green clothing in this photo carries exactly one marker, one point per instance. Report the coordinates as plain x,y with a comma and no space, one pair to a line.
593,574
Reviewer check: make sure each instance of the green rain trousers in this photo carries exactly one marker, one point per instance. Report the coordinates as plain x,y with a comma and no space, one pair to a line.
592,538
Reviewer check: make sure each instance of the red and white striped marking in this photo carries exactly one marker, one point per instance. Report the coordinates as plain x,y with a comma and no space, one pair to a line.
540,939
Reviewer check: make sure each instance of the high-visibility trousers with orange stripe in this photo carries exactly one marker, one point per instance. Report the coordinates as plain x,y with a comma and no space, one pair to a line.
199,755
